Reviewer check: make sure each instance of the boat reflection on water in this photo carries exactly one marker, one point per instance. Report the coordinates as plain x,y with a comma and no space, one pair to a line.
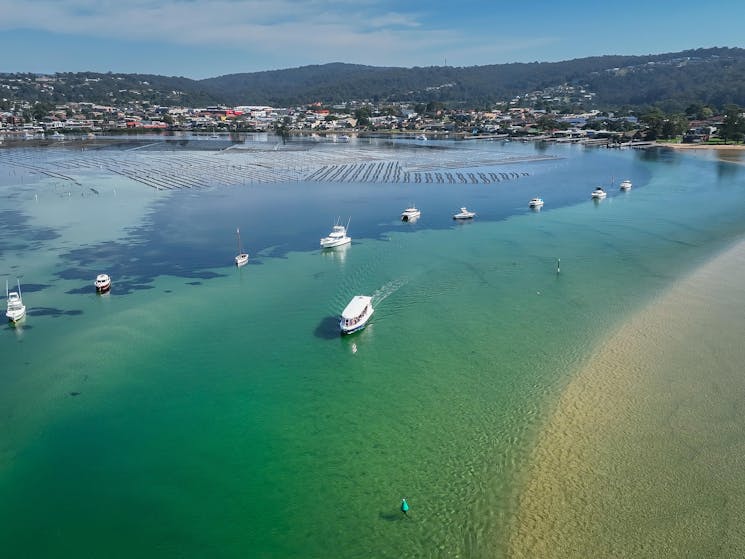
337,253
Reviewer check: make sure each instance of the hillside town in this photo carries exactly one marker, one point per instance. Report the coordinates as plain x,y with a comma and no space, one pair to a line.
553,114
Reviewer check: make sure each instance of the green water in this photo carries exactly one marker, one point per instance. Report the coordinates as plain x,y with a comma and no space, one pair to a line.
224,418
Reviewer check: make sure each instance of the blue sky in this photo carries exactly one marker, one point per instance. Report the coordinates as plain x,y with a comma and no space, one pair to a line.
201,38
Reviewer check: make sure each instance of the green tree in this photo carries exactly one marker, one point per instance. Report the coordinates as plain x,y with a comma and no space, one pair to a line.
546,122
362,114
654,120
673,126
40,110
282,129
733,126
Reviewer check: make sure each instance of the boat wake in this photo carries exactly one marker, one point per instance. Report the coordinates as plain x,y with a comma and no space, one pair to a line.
382,293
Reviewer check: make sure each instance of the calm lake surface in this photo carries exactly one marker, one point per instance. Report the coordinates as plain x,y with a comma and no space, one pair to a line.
199,410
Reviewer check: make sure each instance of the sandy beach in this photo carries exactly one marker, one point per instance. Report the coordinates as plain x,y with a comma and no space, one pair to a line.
718,147
644,454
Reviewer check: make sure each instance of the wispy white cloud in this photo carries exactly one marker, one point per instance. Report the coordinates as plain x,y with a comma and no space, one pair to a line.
282,32
222,22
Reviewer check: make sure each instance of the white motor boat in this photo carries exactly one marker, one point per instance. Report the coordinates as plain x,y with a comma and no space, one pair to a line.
356,314
464,214
337,237
421,138
625,185
242,258
410,214
536,203
102,283
598,193
16,309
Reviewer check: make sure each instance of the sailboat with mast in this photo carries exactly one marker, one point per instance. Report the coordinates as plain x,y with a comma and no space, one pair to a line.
242,258
16,309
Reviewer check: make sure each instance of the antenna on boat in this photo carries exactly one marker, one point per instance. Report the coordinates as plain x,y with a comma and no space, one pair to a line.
348,222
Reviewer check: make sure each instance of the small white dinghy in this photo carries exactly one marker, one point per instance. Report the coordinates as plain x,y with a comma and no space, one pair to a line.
464,214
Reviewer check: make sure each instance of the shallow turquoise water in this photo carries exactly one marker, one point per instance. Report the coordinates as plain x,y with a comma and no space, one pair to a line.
219,413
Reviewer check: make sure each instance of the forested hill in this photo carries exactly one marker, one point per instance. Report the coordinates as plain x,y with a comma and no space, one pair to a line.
671,81
674,80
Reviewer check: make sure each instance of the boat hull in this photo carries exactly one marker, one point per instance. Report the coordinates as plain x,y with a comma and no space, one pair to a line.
103,288
16,315
346,330
356,315
335,242
241,260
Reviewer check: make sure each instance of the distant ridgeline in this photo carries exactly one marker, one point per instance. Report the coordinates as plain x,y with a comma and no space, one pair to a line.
672,81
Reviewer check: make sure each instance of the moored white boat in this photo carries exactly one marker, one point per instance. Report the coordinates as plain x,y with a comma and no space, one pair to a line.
598,193
356,314
337,237
16,310
625,185
242,257
464,214
536,203
102,283
411,214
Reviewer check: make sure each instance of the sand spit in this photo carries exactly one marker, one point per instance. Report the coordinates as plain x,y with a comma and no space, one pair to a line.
645,453
719,147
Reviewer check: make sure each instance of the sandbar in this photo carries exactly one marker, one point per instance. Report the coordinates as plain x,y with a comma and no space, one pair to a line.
718,147
644,454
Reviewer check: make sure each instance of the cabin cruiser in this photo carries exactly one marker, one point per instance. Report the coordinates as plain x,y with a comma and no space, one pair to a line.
337,237
16,309
536,203
599,193
410,214
356,314
102,283
464,214
625,185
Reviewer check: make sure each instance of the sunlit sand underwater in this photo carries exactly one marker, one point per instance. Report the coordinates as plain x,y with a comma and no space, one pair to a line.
644,454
